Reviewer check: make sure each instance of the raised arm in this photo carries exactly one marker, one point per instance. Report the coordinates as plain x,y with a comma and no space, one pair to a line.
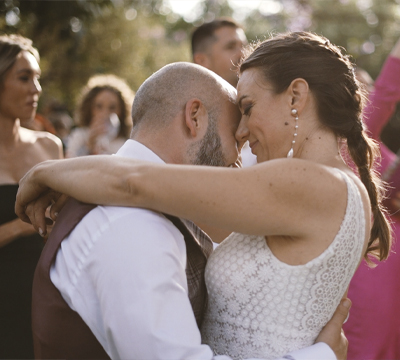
267,199
385,95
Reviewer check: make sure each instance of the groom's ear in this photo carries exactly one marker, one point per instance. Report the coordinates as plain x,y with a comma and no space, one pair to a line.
196,118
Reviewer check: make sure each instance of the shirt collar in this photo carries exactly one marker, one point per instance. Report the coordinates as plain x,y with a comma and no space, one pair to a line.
136,150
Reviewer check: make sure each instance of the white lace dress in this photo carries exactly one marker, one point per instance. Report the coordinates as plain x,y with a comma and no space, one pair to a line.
261,307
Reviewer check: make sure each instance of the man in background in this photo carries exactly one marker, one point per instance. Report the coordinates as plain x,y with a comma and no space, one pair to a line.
218,45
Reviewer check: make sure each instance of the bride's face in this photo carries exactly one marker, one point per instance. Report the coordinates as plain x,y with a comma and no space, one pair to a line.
266,120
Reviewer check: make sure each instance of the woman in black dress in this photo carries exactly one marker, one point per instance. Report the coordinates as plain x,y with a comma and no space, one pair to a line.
20,150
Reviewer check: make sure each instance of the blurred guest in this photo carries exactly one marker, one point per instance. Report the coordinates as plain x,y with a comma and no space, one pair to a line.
58,115
20,150
373,329
217,45
103,117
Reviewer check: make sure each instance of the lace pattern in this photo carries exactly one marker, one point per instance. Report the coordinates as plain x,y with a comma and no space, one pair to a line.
261,307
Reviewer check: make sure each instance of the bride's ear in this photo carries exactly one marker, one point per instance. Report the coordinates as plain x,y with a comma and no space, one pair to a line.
299,92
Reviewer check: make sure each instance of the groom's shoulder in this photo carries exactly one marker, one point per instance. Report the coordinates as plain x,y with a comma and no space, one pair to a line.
130,218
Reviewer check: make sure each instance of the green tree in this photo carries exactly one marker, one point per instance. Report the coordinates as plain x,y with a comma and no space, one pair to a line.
77,39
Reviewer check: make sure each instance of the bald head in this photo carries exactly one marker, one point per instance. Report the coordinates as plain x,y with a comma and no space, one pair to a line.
164,94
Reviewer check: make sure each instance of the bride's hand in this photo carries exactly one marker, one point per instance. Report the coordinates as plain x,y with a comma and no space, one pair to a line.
29,190
43,211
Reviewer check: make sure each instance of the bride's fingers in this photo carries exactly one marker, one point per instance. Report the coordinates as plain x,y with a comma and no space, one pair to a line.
36,211
57,206
38,221
22,215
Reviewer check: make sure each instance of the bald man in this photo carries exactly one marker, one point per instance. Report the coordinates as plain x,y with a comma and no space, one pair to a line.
128,283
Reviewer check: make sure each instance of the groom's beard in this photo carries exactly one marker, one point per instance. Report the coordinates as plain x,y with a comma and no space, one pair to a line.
210,147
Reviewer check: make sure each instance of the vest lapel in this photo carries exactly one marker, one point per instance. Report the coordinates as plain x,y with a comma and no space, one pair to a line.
196,259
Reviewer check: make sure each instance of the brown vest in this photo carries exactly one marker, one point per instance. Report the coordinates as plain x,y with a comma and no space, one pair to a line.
58,331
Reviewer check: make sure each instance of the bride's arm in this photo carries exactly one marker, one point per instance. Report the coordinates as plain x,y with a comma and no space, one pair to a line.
276,197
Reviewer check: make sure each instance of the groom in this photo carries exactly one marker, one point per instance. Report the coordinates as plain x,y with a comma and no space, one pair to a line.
128,283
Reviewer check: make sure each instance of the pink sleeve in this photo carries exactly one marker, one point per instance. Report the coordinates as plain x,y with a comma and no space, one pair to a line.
382,102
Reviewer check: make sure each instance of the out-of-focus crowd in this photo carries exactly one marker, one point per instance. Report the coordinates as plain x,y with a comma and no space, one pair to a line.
100,125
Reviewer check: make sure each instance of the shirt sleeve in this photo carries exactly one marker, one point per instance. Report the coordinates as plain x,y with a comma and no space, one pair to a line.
315,352
138,272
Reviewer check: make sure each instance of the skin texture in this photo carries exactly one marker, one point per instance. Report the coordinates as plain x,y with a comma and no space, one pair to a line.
281,204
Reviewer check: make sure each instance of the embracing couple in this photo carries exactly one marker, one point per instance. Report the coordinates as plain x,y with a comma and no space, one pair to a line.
125,282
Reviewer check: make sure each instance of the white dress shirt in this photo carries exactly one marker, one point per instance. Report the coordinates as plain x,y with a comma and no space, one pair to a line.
123,271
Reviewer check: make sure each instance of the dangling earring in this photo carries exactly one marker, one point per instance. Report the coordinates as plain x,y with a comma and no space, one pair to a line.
296,126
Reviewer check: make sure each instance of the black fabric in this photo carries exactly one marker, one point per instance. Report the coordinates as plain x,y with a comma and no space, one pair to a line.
8,194
17,265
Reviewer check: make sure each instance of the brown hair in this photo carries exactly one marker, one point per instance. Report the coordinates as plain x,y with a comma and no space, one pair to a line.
10,47
203,36
340,101
95,86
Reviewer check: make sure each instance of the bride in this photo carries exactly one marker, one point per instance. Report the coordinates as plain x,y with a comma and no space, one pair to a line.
307,215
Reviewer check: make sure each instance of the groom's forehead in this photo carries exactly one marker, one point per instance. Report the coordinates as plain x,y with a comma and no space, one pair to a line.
229,116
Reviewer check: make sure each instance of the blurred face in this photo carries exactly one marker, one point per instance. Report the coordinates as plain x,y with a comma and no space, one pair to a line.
219,146
226,52
104,104
266,119
21,89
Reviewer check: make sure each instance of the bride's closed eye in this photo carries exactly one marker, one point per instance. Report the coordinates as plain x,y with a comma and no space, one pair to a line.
247,109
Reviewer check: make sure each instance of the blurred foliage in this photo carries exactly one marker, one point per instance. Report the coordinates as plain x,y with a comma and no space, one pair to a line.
133,38
77,39
367,29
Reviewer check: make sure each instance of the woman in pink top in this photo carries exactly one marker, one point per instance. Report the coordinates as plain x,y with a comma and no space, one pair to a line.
373,329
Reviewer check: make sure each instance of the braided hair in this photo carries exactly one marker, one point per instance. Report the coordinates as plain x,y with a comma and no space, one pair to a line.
340,101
